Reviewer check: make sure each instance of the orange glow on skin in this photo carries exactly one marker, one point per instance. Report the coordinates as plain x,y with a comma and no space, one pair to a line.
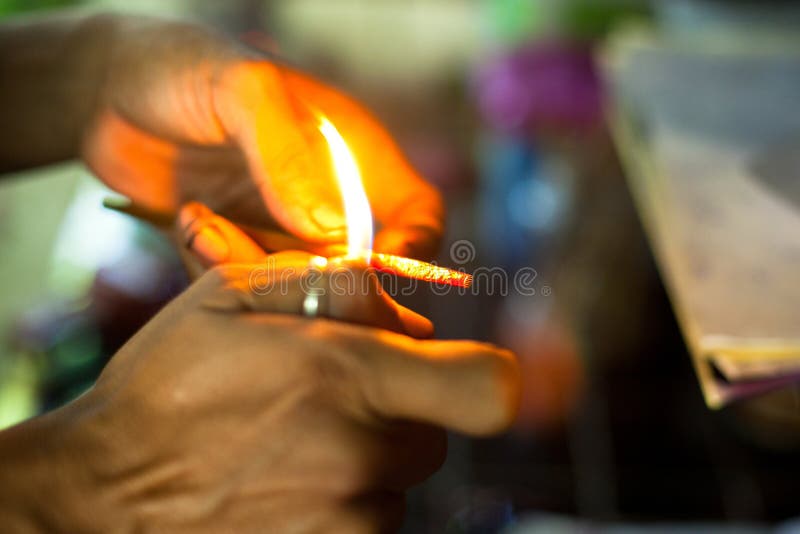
125,154
359,220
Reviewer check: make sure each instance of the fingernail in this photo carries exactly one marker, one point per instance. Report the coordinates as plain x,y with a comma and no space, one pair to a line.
191,212
329,220
210,245
117,203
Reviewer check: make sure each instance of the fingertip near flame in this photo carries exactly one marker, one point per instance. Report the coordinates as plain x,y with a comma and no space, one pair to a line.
358,216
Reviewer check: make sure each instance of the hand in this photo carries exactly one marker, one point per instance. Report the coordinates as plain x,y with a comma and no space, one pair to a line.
222,415
207,240
189,115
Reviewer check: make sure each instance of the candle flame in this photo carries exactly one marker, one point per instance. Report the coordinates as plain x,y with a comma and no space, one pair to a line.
358,214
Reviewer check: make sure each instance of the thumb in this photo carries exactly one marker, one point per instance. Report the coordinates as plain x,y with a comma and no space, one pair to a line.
286,154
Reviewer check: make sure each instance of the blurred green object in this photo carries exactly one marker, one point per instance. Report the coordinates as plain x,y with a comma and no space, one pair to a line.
514,21
10,7
518,21
592,19
19,387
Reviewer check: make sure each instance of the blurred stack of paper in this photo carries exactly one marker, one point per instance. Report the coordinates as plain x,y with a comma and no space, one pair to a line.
709,132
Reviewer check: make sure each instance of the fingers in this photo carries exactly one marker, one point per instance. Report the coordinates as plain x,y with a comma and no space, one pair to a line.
281,282
264,107
415,324
286,154
465,386
214,240
411,212
408,208
408,241
247,244
344,292
276,241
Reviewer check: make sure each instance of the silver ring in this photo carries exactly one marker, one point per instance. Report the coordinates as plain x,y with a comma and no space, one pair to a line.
311,305
311,300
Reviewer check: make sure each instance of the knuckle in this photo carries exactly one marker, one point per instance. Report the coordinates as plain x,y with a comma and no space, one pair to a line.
209,283
356,299
222,276
226,287
217,276
327,338
247,78
358,307
333,363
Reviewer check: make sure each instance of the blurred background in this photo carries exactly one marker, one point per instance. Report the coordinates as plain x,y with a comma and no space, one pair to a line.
507,107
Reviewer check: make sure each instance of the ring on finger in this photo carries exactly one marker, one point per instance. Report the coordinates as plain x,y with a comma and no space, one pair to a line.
311,300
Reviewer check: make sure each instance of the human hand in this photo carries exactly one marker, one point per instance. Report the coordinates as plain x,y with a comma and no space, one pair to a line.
206,239
222,415
186,114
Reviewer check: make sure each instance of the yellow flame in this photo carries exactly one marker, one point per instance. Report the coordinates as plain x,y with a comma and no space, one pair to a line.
358,214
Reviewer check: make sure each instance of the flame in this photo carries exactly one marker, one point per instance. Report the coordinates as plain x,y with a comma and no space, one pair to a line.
358,214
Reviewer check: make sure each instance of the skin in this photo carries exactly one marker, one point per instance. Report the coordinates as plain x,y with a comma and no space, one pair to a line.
229,412
167,112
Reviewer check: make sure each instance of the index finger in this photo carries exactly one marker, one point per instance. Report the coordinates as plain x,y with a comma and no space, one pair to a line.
346,292
412,215
465,386
286,155
409,209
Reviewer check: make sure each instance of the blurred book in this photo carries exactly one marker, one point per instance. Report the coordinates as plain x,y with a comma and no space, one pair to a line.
710,137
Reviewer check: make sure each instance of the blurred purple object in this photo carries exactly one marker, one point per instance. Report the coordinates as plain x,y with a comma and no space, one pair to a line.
543,84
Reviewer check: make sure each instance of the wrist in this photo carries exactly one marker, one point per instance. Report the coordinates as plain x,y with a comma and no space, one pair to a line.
159,76
47,482
95,38
53,65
